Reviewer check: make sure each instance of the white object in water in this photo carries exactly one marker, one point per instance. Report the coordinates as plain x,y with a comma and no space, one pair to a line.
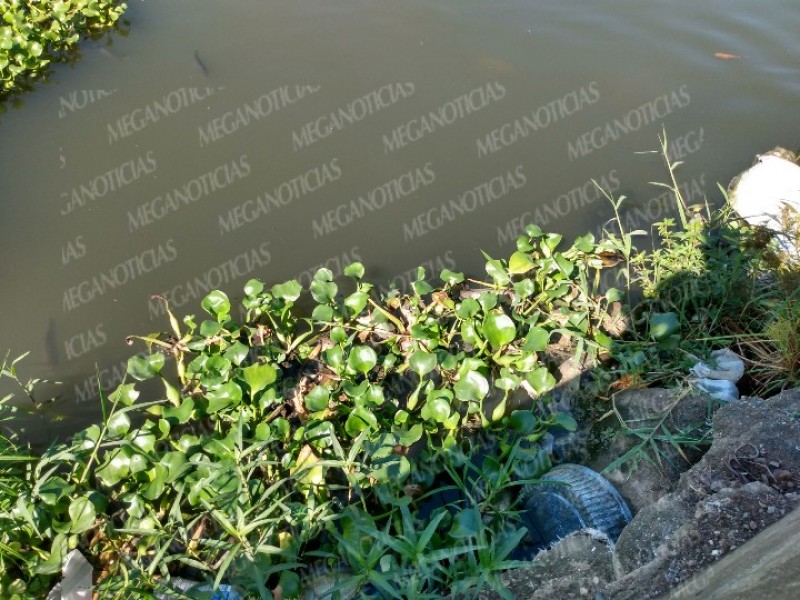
762,192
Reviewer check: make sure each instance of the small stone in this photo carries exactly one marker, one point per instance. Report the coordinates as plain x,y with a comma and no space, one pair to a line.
771,510
584,591
715,553
753,525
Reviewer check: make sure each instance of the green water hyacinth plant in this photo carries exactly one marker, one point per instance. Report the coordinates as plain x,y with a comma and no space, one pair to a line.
280,444
35,34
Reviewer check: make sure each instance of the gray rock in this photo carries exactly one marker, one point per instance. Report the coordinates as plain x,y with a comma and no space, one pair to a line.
576,567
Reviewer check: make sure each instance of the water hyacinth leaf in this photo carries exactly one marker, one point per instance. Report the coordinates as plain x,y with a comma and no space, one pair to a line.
145,367
602,339
471,387
663,325
145,440
422,362
209,328
115,469
507,382
180,414
499,410
175,465
157,481
282,428
522,421
549,243
413,435
289,583
253,288
217,304
360,420
374,395
322,313
585,243
322,288
393,470
356,302
519,263
317,399
338,335
237,352
451,277
499,329
138,463
536,340
288,290
355,270
524,288
321,434
334,357
488,301
534,231
53,489
228,394
262,432
496,270
118,424
82,515
468,308
435,409
55,558
525,362
125,394
259,377
421,287
362,359
566,265
466,524
565,421
541,380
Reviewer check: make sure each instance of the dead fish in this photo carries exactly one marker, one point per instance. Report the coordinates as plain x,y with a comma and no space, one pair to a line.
200,63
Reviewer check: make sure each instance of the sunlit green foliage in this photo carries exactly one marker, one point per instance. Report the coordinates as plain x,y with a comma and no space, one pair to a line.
35,33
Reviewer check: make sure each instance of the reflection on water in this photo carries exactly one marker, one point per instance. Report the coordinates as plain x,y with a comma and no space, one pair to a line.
312,134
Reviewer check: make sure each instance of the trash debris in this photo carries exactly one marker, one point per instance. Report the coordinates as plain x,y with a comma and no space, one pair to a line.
571,497
763,193
76,579
223,592
726,56
719,379
727,366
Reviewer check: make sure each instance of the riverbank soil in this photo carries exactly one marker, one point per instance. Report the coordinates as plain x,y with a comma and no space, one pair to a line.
747,481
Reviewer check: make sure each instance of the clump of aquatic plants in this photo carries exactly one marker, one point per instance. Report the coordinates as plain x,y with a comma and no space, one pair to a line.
288,449
34,34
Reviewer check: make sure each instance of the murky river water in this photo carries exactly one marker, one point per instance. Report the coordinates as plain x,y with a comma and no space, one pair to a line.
219,141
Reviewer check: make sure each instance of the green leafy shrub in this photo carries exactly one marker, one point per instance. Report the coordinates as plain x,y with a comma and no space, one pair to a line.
285,441
35,33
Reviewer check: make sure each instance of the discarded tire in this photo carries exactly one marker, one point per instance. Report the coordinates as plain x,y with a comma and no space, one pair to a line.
572,497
